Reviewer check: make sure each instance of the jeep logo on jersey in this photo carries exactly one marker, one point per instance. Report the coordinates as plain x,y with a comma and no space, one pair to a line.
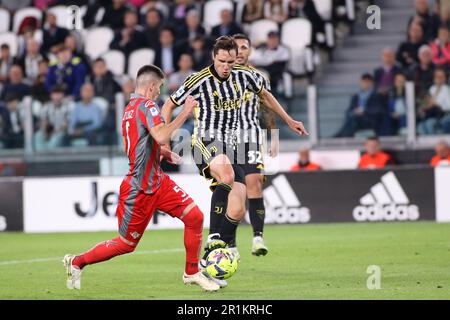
386,201
282,203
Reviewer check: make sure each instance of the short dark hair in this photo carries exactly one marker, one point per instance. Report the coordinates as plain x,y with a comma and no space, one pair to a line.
373,138
5,46
242,36
226,43
100,59
367,76
149,68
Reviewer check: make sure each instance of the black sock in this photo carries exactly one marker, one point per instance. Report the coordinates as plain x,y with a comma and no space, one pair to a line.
219,201
257,214
228,231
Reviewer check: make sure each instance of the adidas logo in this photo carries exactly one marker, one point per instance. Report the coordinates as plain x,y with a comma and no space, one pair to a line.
386,201
282,204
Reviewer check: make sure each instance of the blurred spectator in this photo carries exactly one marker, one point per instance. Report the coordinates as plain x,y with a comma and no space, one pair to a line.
384,75
115,14
253,10
128,87
397,104
168,53
307,9
179,10
160,6
367,110
176,79
374,157
67,72
52,35
131,37
15,83
275,10
22,41
14,5
53,121
103,81
86,119
304,163
71,42
407,51
38,88
422,73
6,61
442,156
435,105
191,27
227,26
427,20
200,54
152,28
11,123
273,57
30,62
441,48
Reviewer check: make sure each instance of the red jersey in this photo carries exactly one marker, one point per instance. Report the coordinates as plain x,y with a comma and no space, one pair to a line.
143,151
379,160
438,161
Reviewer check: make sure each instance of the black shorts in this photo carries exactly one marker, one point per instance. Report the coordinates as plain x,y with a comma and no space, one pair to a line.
204,151
250,158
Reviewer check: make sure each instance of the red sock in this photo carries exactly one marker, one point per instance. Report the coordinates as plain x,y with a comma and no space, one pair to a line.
193,227
102,252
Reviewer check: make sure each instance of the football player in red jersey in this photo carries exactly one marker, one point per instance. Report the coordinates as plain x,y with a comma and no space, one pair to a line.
146,187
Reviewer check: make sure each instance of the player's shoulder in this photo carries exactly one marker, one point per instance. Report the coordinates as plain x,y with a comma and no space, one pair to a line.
197,77
245,70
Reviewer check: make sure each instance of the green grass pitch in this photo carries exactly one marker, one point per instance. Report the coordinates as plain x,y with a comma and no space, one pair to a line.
322,261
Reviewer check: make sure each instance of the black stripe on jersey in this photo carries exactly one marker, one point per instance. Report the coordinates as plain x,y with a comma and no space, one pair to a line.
195,77
222,120
231,121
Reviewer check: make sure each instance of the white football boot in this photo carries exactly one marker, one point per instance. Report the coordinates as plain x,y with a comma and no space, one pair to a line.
258,248
235,251
202,280
73,273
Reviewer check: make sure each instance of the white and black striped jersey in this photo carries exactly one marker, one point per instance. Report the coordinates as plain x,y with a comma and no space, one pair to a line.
250,128
220,100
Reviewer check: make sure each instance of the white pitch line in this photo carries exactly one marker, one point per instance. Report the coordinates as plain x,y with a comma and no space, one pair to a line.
11,262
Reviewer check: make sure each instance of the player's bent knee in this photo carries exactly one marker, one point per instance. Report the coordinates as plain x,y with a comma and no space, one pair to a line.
125,246
192,216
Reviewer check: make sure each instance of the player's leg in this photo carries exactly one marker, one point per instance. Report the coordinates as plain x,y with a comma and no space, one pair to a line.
177,203
235,212
134,212
257,211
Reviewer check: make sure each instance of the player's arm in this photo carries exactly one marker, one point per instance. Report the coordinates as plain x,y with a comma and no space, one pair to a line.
163,132
270,102
167,109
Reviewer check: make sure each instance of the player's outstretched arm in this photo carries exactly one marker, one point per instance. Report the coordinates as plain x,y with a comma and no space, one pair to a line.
269,101
162,132
167,110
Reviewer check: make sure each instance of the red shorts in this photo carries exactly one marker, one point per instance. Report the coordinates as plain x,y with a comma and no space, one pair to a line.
136,208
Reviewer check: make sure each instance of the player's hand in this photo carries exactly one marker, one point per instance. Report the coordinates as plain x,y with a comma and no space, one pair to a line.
170,156
298,127
189,105
274,148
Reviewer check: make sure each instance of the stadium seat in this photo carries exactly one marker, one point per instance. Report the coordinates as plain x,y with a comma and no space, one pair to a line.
115,62
260,29
62,14
10,38
296,34
5,20
325,10
23,13
97,41
211,12
138,58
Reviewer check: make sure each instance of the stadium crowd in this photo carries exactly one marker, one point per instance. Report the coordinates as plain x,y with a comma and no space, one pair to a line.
73,95
424,58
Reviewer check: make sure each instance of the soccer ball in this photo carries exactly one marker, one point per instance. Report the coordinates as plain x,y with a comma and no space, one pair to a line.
221,263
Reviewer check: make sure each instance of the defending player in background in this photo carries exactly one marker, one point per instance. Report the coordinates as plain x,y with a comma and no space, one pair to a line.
250,146
146,187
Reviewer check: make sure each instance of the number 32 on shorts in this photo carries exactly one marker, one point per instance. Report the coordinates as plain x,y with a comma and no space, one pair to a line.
254,157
